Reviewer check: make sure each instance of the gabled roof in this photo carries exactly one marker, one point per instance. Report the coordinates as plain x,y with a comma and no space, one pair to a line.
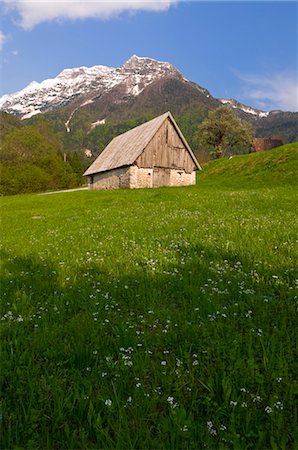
124,149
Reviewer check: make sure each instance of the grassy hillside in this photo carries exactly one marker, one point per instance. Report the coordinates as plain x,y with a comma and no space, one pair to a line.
273,167
161,318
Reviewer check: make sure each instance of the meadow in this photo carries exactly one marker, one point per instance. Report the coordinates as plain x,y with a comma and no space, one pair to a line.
161,318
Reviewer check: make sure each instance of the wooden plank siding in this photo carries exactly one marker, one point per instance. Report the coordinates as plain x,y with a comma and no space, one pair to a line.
161,177
166,150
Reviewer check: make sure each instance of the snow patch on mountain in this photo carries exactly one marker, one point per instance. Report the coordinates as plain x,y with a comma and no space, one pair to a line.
31,113
247,109
98,122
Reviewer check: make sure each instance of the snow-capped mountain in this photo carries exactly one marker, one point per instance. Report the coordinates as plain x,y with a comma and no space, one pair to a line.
83,84
87,97
240,106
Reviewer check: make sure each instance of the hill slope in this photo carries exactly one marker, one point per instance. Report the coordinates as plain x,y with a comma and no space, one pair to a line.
273,167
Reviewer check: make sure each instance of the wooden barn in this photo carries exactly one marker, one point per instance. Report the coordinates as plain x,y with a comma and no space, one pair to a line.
151,155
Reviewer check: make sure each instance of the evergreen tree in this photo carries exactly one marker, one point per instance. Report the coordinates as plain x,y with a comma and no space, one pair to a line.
77,165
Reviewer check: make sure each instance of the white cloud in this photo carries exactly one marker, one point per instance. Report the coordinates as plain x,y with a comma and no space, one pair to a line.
272,91
34,12
3,38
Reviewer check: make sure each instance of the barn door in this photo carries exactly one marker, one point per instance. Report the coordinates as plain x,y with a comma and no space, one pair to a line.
161,177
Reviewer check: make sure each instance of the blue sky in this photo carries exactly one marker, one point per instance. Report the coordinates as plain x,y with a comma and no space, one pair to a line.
241,50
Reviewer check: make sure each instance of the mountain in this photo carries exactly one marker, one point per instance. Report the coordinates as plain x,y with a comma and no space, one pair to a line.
81,86
257,113
82,99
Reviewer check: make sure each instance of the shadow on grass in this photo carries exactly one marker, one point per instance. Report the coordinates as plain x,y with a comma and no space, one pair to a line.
59,335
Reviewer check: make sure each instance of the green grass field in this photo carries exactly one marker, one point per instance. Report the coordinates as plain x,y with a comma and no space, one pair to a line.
161,318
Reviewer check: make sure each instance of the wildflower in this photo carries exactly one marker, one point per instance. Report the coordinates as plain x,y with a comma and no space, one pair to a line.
127,360
163,363
268,410
233,403
172,402
108,402
211,429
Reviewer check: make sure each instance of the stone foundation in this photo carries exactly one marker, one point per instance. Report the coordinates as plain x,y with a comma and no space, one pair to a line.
140,177
181,178
112,179
133,177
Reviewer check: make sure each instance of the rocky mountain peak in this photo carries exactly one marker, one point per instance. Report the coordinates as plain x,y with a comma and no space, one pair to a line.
80,83
149,68
71,74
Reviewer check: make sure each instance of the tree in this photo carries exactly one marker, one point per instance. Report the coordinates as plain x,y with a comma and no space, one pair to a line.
25,146
77,166
222,131
61,174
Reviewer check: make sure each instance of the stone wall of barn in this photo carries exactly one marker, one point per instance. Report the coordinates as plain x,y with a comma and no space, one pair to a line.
113,179
181,178
157,176
140,177
134,177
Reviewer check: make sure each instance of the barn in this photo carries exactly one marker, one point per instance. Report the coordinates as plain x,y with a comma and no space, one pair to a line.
151,155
